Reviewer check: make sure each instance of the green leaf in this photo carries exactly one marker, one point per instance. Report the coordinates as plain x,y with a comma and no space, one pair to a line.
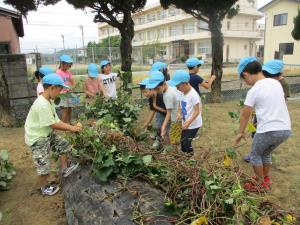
4,155
127,119
233,115
1,216
147,159
103,173
253,215
231,153
3,184
215,187
108,162
229,201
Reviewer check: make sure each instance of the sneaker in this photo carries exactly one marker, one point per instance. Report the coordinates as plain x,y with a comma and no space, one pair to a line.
251,187
247,158
155,145
267,180
50,189
71,167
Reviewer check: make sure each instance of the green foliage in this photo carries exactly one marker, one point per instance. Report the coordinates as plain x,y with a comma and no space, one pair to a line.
120,113
7,171
296,30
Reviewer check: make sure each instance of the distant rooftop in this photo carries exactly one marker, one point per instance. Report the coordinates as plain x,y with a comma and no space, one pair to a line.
16,18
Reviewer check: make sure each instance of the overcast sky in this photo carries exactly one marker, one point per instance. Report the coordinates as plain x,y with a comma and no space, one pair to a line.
45,27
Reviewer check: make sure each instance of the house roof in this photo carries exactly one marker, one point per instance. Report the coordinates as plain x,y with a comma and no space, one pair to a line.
16,19
265,7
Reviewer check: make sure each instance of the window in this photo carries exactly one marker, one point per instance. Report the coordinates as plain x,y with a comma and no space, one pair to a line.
175,30
202,25
280,19
161,14
286,48
142,20
141,36
4,48
228,25
172,11
151,17
192,48
204,47
245,47
189,28
162,33
151,35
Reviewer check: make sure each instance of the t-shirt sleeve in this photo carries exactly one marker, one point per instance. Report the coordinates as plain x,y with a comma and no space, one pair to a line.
195,99
200,80
170,101
250,99
39,88
46,116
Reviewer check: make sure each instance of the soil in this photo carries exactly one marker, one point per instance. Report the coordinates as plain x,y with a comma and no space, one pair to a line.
23,205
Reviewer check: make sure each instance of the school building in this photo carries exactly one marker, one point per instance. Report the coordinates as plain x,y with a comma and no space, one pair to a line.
179,34
279,43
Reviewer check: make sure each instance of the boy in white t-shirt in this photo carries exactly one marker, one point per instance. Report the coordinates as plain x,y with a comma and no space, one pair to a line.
39,74
190,105
273,121
171,100
108,79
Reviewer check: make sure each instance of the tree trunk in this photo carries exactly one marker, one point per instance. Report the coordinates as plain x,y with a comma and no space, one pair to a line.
217,41
127,34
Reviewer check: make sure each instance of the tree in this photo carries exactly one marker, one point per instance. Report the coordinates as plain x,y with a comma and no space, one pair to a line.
116,13
211,12
296,30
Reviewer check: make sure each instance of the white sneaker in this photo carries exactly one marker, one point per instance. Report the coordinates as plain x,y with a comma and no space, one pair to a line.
71,167
50,189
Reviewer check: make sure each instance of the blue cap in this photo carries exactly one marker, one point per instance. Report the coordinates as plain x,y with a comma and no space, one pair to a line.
66,59
144,82
180,76
244,62
193,62
156,77
158,66
92,70
54,79
104,63
274,66
45,70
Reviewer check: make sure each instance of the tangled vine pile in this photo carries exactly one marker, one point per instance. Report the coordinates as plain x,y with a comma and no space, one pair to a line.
202,191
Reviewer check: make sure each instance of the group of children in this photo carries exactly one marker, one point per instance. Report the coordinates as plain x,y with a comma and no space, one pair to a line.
42,118
175,100
171,100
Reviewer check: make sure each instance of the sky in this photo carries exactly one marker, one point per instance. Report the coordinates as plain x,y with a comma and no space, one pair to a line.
44,28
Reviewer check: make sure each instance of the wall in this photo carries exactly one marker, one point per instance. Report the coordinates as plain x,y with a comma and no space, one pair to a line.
281,34
8,34
17,92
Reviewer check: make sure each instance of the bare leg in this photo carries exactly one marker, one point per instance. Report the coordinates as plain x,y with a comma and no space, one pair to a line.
259,172
266,169
63,161
66,115
43,180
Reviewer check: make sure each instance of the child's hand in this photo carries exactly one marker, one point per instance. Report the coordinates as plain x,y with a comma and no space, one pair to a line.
178,117
163,133
76,129
186,125
213,77
239,137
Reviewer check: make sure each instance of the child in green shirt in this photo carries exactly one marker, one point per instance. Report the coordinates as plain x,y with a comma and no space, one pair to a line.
39,136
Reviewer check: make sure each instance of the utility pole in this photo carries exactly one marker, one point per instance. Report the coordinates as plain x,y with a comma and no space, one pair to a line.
82,37
63,40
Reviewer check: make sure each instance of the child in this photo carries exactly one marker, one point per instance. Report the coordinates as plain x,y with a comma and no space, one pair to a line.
272,69
108,80
157,108
190,104
162,67
273,121
39,74
92,87
193,65
64,72
170,98
39,136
